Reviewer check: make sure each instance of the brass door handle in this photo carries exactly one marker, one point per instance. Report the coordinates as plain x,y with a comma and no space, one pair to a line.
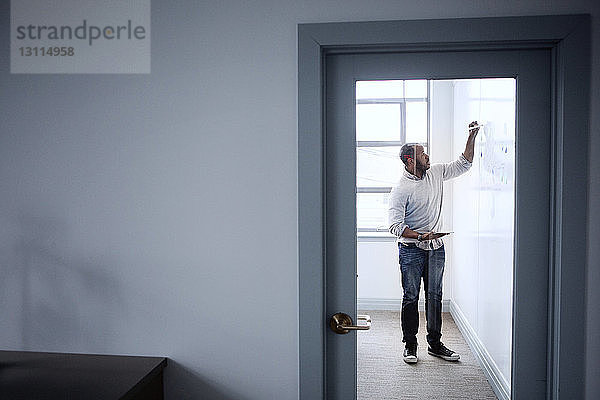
342,323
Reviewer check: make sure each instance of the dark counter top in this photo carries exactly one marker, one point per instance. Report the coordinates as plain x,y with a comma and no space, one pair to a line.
41,376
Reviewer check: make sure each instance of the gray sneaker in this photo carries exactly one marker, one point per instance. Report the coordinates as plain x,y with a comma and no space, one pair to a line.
410,353
442,351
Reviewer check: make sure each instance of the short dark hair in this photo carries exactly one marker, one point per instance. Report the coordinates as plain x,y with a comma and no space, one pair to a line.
408,151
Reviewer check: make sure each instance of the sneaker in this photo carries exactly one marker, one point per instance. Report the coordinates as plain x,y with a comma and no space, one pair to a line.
443,352
410,353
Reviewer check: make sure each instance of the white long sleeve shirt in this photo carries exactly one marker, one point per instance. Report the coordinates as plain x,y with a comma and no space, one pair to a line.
416,203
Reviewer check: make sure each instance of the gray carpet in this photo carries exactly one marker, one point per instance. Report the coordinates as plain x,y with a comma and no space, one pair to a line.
383,375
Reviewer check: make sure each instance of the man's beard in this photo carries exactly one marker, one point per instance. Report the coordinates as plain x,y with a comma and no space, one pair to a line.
422,167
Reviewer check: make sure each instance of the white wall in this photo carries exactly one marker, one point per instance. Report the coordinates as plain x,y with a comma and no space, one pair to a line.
378,275
442,151
138,215
484,215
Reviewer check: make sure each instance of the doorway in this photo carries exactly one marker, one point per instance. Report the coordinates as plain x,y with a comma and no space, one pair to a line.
533,87
478,207
326,365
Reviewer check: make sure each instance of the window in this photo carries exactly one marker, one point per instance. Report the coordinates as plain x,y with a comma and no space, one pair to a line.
388,114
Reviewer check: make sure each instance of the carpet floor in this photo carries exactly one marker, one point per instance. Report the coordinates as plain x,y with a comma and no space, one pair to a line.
381,373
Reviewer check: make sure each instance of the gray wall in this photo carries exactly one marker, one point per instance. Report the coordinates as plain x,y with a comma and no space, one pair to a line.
156,214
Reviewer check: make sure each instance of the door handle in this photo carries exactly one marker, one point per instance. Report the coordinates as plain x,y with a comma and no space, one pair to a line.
342,323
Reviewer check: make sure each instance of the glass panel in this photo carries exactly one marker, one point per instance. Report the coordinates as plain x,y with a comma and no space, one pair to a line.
372,211
416,88
377,166
501,88
378,122
379,89
416,122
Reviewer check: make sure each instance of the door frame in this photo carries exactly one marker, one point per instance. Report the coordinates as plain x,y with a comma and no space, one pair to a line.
568,36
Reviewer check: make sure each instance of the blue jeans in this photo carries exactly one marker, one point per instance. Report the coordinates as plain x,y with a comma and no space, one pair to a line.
416,263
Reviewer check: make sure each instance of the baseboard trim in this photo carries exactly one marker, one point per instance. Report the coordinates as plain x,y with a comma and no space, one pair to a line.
499,385
393,304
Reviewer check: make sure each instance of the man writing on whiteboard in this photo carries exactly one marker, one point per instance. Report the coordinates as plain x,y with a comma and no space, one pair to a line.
415,218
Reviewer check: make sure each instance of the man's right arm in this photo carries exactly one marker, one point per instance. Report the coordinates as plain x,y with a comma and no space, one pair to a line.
396,214
409,233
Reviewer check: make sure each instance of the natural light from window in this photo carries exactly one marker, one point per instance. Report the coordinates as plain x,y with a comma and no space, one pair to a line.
388,114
